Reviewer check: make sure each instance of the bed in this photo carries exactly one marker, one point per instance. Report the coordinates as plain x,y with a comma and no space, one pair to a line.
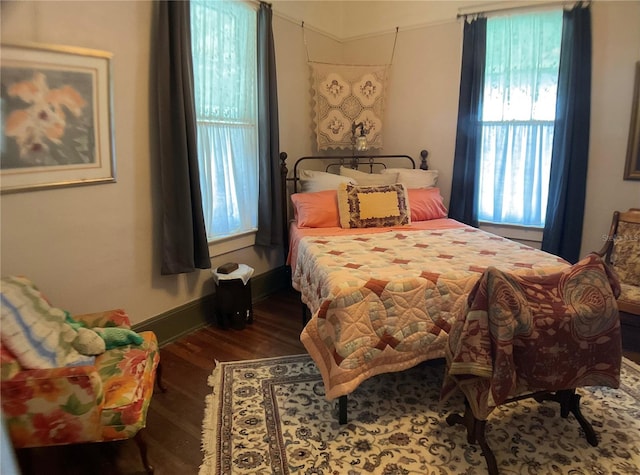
382,292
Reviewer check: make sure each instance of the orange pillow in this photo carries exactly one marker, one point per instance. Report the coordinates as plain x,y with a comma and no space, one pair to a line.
426,204
317,209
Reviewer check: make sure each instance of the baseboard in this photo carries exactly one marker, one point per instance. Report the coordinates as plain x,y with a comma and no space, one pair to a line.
175,323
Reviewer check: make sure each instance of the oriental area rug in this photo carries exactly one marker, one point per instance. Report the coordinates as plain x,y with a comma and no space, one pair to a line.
270,416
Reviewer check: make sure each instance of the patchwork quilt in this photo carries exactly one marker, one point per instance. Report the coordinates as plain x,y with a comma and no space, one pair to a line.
386,302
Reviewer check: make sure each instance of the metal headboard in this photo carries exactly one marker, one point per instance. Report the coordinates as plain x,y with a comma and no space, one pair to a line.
370,161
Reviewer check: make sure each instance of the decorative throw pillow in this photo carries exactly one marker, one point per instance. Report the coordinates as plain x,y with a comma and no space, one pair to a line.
312,180
414,178
34,331
316,210
373,206
362,178
426,204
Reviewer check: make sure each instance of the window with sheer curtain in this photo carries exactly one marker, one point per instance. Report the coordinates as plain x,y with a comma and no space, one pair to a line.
518,114
223,37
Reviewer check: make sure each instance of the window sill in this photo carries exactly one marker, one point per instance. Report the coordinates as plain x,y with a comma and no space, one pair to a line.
517,233
227,244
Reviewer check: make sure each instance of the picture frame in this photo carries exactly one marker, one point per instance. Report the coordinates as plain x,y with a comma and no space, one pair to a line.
632,165
57,117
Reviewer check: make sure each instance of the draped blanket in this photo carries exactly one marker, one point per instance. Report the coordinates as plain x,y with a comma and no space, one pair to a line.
344,95
523,333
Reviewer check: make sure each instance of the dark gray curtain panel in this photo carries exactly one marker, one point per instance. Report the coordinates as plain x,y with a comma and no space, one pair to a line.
270,191
184,238
567,183
463,206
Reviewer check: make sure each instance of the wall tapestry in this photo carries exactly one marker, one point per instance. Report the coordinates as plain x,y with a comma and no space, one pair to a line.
347,94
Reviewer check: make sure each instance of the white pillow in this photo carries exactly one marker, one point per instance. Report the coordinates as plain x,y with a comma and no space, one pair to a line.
363,178
414,178
312,180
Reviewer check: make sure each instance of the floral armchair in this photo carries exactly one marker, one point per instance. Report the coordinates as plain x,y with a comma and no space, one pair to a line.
58,395
622,251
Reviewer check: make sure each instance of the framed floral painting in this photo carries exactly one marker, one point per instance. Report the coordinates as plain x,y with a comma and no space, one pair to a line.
56,117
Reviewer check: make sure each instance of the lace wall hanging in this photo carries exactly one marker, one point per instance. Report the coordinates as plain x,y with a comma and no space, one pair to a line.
342,95
347,94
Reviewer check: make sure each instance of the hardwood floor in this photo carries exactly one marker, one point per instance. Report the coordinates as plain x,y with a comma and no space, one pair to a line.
174,420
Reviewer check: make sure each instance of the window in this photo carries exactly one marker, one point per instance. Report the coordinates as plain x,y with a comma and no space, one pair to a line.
223,36
518,113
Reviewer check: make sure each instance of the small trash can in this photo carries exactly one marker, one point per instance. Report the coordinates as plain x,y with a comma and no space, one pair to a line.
233,297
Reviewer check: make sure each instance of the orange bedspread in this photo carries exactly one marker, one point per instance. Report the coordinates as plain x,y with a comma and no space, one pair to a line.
382,300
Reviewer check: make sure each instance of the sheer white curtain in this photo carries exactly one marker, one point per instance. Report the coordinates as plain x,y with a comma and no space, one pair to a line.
223,36
518,113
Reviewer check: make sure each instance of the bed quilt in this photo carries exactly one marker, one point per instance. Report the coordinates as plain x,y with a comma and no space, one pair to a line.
386,302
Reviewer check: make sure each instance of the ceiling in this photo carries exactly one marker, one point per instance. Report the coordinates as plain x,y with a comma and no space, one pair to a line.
345,20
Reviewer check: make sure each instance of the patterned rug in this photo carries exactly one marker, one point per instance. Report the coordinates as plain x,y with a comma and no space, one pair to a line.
270,416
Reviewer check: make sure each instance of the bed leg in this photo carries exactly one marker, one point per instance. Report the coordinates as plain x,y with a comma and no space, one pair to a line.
342,410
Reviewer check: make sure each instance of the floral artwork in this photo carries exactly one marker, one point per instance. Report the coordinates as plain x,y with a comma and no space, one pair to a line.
56,117
48,124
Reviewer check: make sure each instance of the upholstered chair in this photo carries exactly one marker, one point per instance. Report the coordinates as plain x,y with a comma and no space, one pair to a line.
534,336
622,251
51,394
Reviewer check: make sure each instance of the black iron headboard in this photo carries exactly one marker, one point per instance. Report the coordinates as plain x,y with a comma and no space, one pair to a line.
370,161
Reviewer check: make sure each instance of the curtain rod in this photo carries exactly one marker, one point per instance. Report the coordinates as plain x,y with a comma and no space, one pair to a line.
529,6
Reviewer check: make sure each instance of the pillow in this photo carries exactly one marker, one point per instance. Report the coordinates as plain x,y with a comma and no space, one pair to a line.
426,204
311,180
373,206
362,178
316,210
414,178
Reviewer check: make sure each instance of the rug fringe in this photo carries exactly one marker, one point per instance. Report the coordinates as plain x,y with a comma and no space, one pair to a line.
209,444
633,364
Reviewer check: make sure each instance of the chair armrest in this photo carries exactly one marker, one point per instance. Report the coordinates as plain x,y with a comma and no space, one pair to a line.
52,382
53,406
9,365
109,318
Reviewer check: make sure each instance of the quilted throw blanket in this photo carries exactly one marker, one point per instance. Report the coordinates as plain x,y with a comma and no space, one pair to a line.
344,95
384,302
522,334
35,332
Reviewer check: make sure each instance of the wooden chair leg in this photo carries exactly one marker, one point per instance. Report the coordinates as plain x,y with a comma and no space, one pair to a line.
479,428
161,386
475,433
142,447
570,403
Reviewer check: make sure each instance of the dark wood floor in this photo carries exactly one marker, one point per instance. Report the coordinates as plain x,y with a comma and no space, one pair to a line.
174,421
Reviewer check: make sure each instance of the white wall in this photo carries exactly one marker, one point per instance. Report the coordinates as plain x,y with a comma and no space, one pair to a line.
97,247
422,101
616,49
